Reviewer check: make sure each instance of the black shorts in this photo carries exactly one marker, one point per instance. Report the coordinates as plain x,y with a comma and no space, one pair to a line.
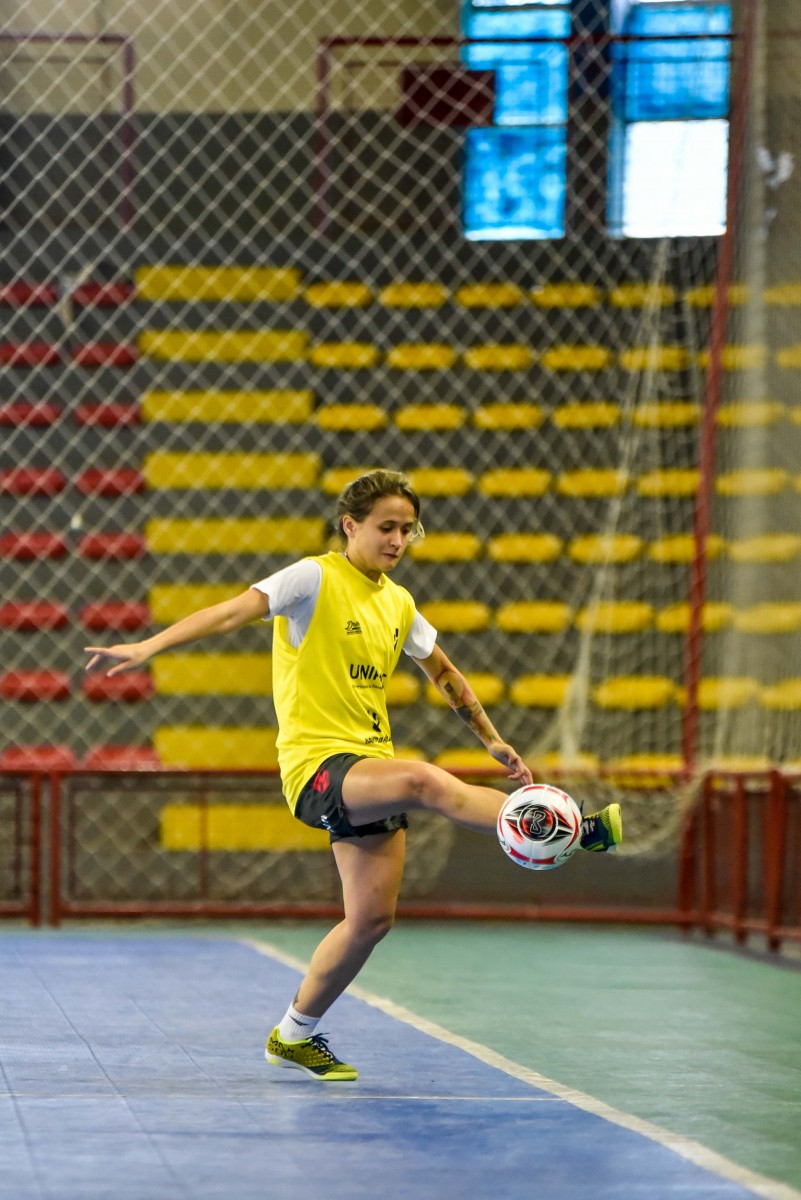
320,802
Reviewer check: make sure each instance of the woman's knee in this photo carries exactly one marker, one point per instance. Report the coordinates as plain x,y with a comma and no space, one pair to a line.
370,926
424,784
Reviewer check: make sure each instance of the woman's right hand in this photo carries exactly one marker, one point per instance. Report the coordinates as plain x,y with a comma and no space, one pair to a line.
126,657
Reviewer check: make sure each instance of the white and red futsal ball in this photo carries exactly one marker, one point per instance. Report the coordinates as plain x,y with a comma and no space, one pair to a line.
539,827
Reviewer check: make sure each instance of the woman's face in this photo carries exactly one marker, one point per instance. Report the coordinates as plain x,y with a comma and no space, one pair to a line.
378,542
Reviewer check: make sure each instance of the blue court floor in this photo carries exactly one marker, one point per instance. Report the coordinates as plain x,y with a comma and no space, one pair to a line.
132,1069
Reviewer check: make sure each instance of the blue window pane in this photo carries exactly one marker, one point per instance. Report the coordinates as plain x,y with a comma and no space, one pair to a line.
514,184
672,80
532,23
528,92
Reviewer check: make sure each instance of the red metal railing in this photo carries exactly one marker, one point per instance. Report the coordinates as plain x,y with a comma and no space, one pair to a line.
735,865
741,847
21,846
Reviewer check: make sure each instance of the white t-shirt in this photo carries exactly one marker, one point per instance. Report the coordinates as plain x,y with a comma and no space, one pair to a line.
293,593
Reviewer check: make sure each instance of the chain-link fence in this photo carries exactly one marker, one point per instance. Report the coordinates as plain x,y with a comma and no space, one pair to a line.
235,273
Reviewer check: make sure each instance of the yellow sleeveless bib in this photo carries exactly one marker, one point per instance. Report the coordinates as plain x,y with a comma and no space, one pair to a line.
329,692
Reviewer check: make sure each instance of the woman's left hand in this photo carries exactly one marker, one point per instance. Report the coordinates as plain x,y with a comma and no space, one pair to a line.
511,759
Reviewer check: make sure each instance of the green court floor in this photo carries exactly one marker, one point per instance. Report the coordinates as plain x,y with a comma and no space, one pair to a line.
700,1040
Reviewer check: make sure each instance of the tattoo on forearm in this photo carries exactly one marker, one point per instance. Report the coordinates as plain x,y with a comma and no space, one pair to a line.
471,714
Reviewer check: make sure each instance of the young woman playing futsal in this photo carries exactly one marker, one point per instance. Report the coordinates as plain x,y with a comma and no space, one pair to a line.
341,625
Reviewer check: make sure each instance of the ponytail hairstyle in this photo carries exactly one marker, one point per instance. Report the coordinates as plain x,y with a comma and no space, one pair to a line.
358,499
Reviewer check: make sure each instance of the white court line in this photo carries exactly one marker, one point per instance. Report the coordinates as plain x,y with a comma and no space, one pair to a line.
702,1156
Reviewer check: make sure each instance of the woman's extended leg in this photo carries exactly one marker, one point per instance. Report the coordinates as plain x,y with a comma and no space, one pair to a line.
376,788
371,870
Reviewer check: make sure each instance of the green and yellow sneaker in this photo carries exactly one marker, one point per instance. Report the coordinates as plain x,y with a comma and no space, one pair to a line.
602,830
312,1055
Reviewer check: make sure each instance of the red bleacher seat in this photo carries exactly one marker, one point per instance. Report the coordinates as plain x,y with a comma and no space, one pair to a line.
28,545
29,412
34,685
108,414
27,615
104,295
116,545
23,292
32,481
130,686
29,354
126,615
105,354
37,758
110,481
122,758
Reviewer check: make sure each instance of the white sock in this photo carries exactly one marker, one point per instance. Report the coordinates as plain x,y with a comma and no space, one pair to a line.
295,1026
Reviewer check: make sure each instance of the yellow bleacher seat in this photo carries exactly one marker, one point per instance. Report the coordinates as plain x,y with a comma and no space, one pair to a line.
440,481
168,602
216,746
413,295
268,535
668,414
540,691
680,548
430,416
413,752
576,358
489,689
457,616
673,482
704,297
789,356
338,294
751,764
603,547
634,771
768,618
217,283
676,618
766,548
341,418
281,405
533,616
558,762
510,415
784,695
213,674
469,758
168,469
207,345
655,358
641,295
344,355
421,356
634,692
237,827
337,479
514,481
742,415
447,547
591,482
575,415
720,692
737,358
490,295
765,482
624,616
500,356
783,295
566,295
403,688
524,547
